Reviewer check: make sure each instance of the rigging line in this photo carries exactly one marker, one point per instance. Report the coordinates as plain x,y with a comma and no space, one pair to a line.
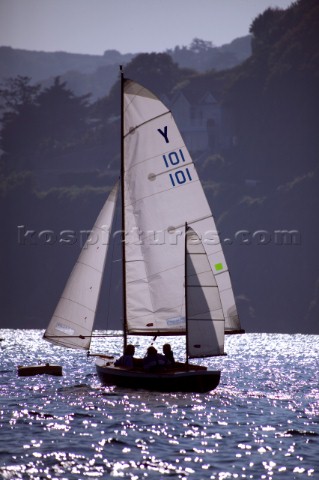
133,129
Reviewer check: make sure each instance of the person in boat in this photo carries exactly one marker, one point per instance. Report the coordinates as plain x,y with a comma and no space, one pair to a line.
168,353
153,360
126,360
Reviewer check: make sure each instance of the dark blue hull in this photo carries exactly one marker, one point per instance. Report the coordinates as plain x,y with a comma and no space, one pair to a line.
174,380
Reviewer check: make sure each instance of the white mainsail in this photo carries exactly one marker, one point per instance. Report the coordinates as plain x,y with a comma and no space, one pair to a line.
162,192
72,321
205,318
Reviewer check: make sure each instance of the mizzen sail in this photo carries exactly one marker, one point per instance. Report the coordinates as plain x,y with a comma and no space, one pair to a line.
72,321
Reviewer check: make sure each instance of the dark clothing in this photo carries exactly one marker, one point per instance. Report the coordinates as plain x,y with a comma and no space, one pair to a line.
124,361
154,361
169,356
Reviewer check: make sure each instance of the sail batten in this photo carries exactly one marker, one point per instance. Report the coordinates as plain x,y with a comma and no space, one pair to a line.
133,129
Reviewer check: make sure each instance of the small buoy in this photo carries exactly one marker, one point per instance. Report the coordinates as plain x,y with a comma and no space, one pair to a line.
28,371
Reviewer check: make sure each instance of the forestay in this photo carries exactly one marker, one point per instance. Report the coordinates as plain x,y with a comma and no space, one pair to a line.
162,192
72,321
205,318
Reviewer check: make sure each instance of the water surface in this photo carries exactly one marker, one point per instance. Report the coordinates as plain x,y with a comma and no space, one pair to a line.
262,422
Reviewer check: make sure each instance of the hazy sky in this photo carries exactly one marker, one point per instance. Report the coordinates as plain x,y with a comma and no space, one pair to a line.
93,26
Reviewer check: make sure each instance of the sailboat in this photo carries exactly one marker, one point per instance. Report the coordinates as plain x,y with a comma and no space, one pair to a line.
175,277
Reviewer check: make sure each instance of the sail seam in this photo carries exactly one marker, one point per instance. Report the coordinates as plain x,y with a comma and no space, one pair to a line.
156,332
199,273
186,164
154,274
90,266
131,101
147,159
167,270
171,309
71,323
224,289
158,193
77,303
141,88
225,270
198,253
96,227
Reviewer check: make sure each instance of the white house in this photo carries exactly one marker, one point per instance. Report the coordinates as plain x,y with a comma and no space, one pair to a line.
199,119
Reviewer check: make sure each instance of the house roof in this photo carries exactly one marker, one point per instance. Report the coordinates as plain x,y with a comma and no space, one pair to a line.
194,98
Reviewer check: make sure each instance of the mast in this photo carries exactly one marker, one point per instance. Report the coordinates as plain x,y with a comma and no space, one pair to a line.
123,213
186,307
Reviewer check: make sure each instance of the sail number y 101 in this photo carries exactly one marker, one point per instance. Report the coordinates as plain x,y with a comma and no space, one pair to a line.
180,176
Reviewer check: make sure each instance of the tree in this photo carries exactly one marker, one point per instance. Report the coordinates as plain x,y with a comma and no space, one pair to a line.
265,29
37,122
62,114
18,99
200,46
156,71
17,93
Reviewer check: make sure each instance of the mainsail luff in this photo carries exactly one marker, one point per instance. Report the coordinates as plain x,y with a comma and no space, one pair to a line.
72,322
162,192
123,215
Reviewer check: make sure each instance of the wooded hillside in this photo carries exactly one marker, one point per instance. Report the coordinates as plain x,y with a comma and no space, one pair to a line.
263,188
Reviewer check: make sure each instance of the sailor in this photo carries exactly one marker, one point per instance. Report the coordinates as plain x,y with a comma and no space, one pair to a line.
153,360
169,356
126,360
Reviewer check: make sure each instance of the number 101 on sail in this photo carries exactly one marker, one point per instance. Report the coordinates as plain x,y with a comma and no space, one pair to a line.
179,176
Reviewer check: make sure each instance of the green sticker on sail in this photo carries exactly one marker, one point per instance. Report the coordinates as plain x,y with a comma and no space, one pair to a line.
219,266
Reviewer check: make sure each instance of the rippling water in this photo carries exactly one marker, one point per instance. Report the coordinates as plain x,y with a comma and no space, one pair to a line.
262,422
